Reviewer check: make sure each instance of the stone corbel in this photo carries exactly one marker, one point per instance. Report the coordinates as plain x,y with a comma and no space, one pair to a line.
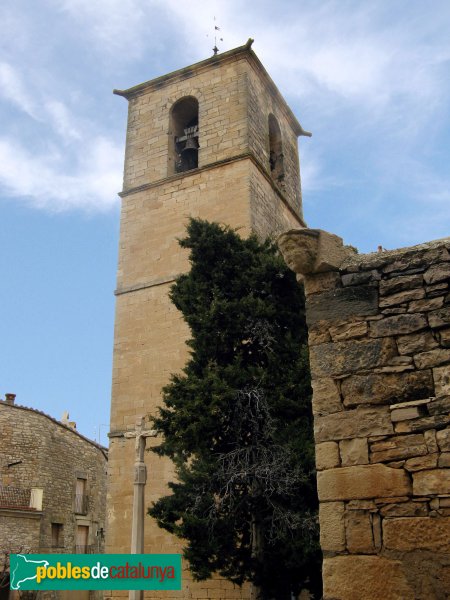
310,251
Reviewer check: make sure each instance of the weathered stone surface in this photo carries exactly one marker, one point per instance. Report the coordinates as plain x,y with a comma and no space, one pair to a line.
312,250
426,305
405,414
420,463
377,531
444,338
327,455
398,447
361,505
401,297
416,342
354,452
439,406
348,331
444,461
372,578
437,273
339,358
436,481
404,509
441,376
432,358
326,398
443,440
398,284
430,440
436,289
342,303
360,482
358,532
321,282
318,335
386,388
439,318
398,325
391,500
359,278
332,529
422,424
360,422
417,533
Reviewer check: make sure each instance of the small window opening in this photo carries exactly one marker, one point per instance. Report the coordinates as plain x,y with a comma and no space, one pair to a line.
185,132
57,535
275,151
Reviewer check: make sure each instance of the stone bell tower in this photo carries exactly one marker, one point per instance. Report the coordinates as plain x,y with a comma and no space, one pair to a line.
215,140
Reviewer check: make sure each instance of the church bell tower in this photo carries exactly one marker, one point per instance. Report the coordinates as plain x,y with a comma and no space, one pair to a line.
214,140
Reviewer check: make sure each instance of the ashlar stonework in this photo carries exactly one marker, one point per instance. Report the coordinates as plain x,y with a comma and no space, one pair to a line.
379,348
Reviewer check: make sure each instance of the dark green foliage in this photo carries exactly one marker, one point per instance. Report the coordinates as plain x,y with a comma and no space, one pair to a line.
237,422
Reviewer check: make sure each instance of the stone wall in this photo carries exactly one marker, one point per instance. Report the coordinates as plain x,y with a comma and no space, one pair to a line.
379,336
37,451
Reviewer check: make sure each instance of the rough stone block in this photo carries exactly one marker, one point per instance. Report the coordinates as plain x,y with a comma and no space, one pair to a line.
437,273
405,414
326,398
348,331
444,338
417,533
439,406
398,325
433,358
361,482
358,532
332,530
340,358
420,463
435,481
439,318
443,439
444,461
359,278
425,305
398,447
441,376
364,578
430,440
327,455
404,509
321,282
398,284
348,424
342,303
386,388
401,297
354,452
416,342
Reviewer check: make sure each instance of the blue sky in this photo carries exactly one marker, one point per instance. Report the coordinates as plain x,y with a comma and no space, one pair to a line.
370,79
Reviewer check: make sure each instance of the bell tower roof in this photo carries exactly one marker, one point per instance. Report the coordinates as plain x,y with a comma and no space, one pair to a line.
244,51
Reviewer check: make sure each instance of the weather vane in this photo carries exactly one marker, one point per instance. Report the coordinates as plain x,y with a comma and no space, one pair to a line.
216,29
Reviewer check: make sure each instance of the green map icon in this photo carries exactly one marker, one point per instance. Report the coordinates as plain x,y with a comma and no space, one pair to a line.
23,569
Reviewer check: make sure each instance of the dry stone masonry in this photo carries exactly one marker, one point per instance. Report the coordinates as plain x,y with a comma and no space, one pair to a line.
379,336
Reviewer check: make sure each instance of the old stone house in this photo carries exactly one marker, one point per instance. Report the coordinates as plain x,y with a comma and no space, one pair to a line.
52,484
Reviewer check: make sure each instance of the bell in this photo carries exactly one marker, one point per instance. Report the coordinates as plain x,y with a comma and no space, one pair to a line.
189,154
191,144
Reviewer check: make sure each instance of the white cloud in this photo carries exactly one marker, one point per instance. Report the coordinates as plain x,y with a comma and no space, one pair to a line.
13,89
62,120
47,180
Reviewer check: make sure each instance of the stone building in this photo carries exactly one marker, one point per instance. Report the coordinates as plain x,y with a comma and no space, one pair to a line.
214,140
379,337
52,484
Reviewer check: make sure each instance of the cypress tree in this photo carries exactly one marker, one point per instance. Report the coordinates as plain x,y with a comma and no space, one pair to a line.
237,421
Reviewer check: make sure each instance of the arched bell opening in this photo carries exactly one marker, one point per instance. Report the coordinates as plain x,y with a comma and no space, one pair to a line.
275,151
184,132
